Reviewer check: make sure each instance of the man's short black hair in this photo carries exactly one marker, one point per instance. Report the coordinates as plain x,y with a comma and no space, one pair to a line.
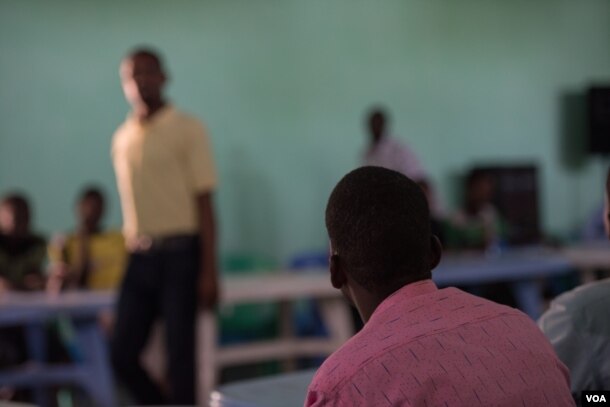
378,112
20,205
148,52
92,192
379,224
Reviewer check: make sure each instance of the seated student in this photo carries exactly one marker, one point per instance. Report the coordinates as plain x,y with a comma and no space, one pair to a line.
22,253
90,257
578,326
477,225
420,345
593,229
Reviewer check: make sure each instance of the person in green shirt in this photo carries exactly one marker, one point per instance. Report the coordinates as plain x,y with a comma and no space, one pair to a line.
22,258
478,224
22,253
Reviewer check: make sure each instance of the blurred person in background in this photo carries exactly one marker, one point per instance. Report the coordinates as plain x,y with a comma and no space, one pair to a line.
387,151
593,229
91,257
477,225
165,176
22,258
22,253
578,326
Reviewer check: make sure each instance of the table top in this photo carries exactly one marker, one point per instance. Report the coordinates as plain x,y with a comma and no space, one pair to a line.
510,265
280,285
462,269
285,390
19,307
589,255
455,269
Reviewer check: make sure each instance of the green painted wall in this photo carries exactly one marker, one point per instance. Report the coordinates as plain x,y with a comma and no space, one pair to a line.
283,85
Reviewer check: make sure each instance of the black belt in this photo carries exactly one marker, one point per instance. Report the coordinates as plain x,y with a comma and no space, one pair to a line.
143,244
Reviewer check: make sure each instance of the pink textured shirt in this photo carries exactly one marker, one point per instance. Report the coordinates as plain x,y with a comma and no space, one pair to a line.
428,347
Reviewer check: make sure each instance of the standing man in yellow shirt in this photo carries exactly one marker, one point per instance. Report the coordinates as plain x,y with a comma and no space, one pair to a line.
165,176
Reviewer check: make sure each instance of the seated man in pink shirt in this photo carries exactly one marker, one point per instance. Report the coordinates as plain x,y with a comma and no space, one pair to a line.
420,346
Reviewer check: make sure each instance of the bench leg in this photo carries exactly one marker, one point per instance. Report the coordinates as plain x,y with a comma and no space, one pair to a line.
287,332
337,319
37,350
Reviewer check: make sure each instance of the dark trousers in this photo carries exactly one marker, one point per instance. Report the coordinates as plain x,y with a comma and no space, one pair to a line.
159,283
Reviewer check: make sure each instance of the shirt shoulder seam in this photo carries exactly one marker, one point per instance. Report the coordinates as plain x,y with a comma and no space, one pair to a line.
384,351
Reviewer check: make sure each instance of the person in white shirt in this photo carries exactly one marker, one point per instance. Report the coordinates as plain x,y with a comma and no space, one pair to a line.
578,326
389,152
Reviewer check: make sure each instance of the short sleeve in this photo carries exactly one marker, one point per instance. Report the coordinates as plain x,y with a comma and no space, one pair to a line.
199,160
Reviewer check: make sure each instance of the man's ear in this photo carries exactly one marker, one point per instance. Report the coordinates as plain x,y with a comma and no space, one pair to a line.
337,275
436,250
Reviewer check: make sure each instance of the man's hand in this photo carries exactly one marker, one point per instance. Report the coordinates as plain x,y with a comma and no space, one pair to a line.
58,275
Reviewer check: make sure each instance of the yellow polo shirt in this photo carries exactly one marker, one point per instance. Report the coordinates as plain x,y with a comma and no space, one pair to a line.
107,256
161,166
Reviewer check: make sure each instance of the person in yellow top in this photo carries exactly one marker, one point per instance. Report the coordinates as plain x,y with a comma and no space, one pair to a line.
90,257
165,176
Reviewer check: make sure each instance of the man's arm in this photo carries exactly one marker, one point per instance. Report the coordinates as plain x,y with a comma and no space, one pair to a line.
62,274
208,277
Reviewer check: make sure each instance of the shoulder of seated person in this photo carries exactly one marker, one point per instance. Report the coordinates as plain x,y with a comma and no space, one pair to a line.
37,240
113,235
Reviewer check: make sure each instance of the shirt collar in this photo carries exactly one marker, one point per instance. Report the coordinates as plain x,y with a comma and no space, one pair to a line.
404,294
385,143
161,115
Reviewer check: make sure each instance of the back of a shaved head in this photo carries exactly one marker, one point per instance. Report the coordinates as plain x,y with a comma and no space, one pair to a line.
378,221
